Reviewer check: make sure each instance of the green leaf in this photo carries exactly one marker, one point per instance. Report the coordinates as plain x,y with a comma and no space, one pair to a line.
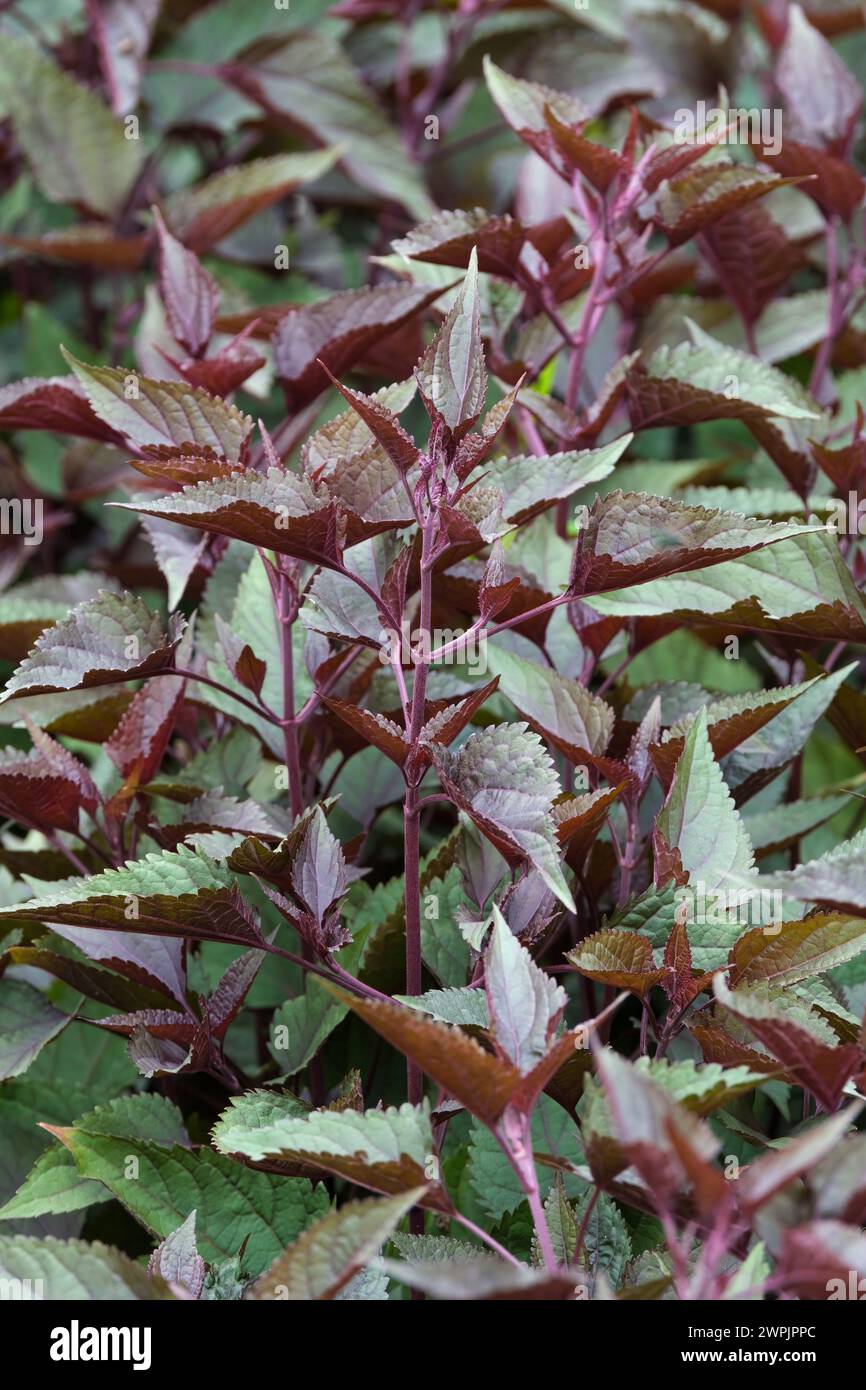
101,641
525,1004
622,959
759,757
607,1245
206,213
503,778
309,82
163,414
168,894
78,152
451,375
462,1006
632,537
576,721
705,380
300,1027
561,1225
783,825
327,1255
30,1102
30,607
76,1270
837,879
435,1248
390,1151
700,1087
529,485
797,950
27,1023
53,1186
443,948
735,727
699,820
348,435
232,1202
800,588
140,1116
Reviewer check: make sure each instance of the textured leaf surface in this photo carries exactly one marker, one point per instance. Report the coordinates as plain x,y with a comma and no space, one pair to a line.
170,894
699,819
309,83
78,151
337,331
503,778
109,638
451,375
190,294
618,958
799,950
27,1023
493,1180
820,1067
481,1082
328,1254
177,1261
168,414
576,721
800,588
52,1186
77,1271
209,211
231,1202
383,1149
837,879
630,537
525,1004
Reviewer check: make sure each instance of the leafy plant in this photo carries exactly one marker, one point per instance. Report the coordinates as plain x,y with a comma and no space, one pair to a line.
431,628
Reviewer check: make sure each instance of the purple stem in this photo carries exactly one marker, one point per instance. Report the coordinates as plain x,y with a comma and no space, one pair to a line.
286,613
411,821
515,1140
